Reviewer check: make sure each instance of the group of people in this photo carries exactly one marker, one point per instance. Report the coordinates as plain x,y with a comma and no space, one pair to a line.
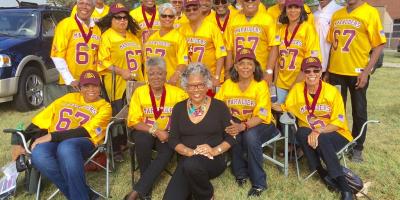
208,74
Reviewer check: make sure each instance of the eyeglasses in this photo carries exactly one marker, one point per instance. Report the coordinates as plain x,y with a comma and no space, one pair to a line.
199,86
119,18
218,2
177,2
169,16
308,71
249,1
192,9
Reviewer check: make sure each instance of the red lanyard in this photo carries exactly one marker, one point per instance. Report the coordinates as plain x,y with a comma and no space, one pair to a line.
223,27
85,37
287,43
149,25
157,112
315,98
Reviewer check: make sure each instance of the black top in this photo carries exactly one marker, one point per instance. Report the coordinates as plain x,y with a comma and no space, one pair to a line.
210,130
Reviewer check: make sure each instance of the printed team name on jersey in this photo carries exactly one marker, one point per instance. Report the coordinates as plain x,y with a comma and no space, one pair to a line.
143,24
79,35
159,43
128,44
89,108
149,110
241,102
191,40
318,107
247,29
297,43
350,22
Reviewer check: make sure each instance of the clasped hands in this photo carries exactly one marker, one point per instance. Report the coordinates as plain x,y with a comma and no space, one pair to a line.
313,138
205,150
235,128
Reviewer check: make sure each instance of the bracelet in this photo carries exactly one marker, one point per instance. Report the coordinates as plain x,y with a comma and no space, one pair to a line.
153,130
219,150
133,76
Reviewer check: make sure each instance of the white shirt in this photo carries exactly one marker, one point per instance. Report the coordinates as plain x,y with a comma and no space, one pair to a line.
322,19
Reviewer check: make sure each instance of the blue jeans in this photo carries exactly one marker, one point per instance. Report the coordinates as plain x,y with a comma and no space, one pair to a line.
247,154
63,164
281,95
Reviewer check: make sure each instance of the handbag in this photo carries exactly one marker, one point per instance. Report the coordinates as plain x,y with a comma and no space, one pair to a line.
354,181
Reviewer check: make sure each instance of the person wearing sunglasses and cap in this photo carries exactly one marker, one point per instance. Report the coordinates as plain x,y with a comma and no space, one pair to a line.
255,29
168,43
247,96
205,41
323,130
276,10
146,16
120,61
65,133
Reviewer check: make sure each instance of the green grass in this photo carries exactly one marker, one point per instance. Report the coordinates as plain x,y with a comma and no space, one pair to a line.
381,154
391,57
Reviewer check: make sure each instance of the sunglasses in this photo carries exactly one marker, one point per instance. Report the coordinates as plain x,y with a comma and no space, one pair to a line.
169,16
218,2
249,1
308,71
192,9
117,17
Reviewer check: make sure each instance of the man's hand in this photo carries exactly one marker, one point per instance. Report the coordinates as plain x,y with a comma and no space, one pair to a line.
17,150
75,85
235,128
362,80
215,82
313,139
162,135
126,74
43,139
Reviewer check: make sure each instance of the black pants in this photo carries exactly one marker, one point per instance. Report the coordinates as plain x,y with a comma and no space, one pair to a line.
118,131
192,177
358,103
150,169
328,145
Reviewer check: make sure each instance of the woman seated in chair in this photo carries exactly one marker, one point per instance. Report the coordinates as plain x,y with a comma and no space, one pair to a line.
198,136
248,98
67,132
323,129
149,115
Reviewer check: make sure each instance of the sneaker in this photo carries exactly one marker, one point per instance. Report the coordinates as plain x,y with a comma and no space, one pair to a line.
255,192
357,156
241,181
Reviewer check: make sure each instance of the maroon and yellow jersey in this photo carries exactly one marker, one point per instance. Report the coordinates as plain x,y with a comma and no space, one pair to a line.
137,15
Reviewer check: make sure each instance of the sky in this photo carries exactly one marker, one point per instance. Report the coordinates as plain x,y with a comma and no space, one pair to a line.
8,3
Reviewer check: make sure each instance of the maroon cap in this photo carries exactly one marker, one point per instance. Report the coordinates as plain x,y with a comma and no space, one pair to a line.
299,3
310,62
190,3
89,77
117,8
244,53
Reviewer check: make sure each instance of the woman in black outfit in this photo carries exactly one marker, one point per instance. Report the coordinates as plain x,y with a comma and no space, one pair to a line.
198,134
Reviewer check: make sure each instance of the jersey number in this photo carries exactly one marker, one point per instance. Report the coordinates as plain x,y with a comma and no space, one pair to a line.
65,119
82,56
130,61
239,42
284,53
349,33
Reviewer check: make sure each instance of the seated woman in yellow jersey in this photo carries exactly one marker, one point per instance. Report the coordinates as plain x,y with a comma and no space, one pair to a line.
149,115
298,41
198,136
120,60
169,44
65,134
247,96
323,129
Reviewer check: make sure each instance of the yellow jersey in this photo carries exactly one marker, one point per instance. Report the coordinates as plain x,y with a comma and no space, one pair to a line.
257,34
328,110
206,44
141,109
180,20
172,47
96,15
122,52
275,12
352,36
255,101
137,15
69,44
305,44
71,111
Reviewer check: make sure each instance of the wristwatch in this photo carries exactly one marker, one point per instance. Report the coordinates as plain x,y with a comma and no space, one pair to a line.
269,71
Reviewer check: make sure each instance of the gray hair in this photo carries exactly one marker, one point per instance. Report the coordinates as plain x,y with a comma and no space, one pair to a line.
196,68
93,2
156,61
165,6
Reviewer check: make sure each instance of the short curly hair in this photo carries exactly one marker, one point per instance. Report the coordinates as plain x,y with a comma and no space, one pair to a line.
196,68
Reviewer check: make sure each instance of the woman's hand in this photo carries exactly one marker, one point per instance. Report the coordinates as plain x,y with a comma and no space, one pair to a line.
313,139
215,82
235,128
162,135
16,150
205,150
276,107
43,139
126,74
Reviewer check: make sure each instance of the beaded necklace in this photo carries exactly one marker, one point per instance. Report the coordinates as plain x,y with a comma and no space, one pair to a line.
197,112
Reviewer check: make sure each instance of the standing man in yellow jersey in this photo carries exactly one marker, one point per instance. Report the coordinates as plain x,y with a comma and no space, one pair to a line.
238,6
275,12
146,16
354,31
206,9
205,41
75,45
180,16
100,10
254,29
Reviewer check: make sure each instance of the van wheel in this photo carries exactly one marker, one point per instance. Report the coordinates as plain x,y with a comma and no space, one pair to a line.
30,90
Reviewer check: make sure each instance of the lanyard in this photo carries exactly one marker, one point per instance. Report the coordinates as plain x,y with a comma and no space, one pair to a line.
149,25
315,99
85,37
287,43
157,112
223,27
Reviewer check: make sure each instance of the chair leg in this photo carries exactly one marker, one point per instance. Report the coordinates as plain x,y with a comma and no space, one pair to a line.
309,176
133,164
53,195
38,187
344,160
286,166
107,177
